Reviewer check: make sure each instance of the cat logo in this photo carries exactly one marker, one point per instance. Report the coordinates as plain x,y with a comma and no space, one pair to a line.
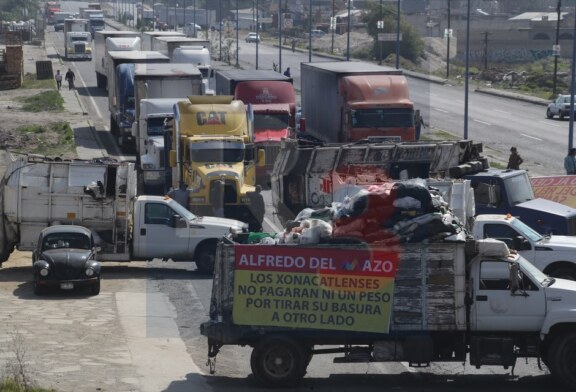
211,118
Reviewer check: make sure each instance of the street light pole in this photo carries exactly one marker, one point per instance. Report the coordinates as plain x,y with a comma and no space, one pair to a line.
467,72
557,47
448,33
279,36
257,31
398,36
237,27
310,32
380,29
348,32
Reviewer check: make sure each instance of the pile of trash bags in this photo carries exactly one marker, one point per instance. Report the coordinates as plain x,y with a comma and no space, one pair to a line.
387,214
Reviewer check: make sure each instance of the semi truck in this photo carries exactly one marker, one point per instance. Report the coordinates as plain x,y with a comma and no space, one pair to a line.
120,81
148,36
77,40
130,40
415,303
273,102
316,176
198,56
164,81
101,196
154,115
359,100
213,154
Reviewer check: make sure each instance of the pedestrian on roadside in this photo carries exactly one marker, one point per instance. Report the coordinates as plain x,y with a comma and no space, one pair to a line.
570,162
180,194
274,66
293,44
287,72
70,78
515,160
58,78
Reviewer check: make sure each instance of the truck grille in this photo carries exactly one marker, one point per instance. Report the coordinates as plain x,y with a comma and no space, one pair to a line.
79,48
272,151
230,196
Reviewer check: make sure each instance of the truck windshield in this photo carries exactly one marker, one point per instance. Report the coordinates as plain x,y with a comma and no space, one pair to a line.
525,230
271,121
215,152
518,188
156,125
97,23
382,118
79,39
529,268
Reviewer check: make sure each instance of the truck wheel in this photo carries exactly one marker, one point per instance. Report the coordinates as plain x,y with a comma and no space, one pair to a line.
562,359
205,259
563,273
279,362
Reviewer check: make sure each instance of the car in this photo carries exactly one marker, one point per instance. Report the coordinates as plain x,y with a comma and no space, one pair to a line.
315,34
559,107
59,26
65,258
252,37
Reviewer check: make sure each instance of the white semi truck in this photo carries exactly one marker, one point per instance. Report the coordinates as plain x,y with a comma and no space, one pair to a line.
77,39
101,196
130,40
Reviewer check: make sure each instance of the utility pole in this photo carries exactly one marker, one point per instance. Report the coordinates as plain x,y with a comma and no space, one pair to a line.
310,32
486,33
348,32
219,24
333,25
237,27
280,35
380,26
257,31
556,50
398,36
448,36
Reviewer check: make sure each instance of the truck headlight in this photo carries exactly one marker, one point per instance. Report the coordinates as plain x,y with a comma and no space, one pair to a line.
89,272
44,272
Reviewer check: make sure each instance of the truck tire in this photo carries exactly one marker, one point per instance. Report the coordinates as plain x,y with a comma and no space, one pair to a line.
205,258
562,359
279,362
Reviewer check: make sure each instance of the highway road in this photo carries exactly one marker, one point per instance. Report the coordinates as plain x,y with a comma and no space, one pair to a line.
497,122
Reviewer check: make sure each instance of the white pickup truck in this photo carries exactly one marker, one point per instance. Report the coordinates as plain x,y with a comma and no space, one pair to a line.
555,255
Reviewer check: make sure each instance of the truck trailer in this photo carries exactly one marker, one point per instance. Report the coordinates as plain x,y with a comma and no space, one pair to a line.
101,196
120,77
101,49
148,36
359,101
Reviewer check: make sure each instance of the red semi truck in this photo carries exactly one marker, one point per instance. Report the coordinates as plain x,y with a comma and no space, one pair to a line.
273,102
344,101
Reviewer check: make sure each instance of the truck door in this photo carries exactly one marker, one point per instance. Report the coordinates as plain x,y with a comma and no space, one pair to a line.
161,233
497,308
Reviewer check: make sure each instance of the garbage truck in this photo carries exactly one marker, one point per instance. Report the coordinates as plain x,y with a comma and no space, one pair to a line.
101,195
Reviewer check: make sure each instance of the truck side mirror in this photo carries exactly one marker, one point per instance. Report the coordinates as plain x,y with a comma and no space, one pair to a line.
302,124
172,158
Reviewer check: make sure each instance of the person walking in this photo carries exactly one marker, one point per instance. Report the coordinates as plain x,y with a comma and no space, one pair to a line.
570,162
293,45
58,78
70,78
287,72
515,160
180,194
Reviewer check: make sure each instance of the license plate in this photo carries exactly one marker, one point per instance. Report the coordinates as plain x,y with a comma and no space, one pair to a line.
66,286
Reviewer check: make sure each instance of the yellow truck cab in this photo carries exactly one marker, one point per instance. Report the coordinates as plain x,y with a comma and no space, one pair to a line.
214,155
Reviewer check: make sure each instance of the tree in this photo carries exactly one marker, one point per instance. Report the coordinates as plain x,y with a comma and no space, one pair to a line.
411,46
18,9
